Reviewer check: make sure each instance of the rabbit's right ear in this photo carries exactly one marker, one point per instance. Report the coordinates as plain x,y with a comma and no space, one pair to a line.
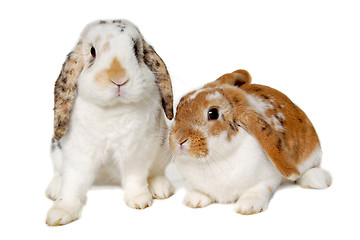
237,78
65,91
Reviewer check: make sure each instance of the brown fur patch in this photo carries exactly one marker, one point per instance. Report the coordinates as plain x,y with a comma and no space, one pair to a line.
198,144
112,75
105,47
115,71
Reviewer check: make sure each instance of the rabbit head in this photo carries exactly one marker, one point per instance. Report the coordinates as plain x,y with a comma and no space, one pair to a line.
111,65
205,119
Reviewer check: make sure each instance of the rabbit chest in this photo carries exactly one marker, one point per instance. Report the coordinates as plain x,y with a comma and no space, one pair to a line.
129,129
228,172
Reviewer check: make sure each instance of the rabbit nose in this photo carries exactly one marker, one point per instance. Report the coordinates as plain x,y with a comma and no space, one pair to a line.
119,82
184,141
183,148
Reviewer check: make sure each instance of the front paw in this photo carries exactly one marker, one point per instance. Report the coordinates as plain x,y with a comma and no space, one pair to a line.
197,199
248,205
53,188
160,187
58,216
138,201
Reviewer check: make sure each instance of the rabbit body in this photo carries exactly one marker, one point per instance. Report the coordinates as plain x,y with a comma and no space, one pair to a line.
237,142
109,123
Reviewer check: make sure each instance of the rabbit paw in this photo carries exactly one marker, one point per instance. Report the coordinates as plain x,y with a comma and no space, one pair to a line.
58,216
196,199
53,188
139,201
248,206
160,187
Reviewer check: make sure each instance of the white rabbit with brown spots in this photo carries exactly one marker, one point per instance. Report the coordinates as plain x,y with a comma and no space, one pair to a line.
109,123
236,142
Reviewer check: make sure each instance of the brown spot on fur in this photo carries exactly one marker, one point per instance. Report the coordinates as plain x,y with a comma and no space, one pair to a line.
198,143
264,96
105,47
116,70
112,75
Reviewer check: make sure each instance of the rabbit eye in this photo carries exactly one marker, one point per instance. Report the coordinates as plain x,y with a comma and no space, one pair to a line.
93,52
213,114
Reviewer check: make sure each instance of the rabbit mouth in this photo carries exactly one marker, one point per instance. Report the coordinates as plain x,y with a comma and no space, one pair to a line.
119,86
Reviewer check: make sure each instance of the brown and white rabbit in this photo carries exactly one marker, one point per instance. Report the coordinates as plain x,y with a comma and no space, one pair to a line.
236,142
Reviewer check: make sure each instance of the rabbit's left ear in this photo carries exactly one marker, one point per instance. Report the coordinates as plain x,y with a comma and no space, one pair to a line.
158,67
271,140
65,91
273,144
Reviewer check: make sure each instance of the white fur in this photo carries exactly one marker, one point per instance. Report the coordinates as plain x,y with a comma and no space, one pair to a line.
110,138
312,176
238,171
197,199
316,178
212,96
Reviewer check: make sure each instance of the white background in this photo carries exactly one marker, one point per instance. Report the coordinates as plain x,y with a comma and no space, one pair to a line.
309,50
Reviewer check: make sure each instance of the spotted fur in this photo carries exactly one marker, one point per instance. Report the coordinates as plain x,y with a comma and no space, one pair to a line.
65,91
283,130
242,154
157,65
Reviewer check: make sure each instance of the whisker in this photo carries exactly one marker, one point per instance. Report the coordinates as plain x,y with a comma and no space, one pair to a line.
203,169
182,81
212,173
221,169
173,158
150,100
221,146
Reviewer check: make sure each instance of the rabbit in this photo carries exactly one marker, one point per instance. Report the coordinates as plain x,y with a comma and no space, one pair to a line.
109,121
236,142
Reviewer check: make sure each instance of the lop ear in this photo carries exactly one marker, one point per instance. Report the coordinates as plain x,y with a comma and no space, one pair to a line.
237,78
271,140
66,90
273,144
158,67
